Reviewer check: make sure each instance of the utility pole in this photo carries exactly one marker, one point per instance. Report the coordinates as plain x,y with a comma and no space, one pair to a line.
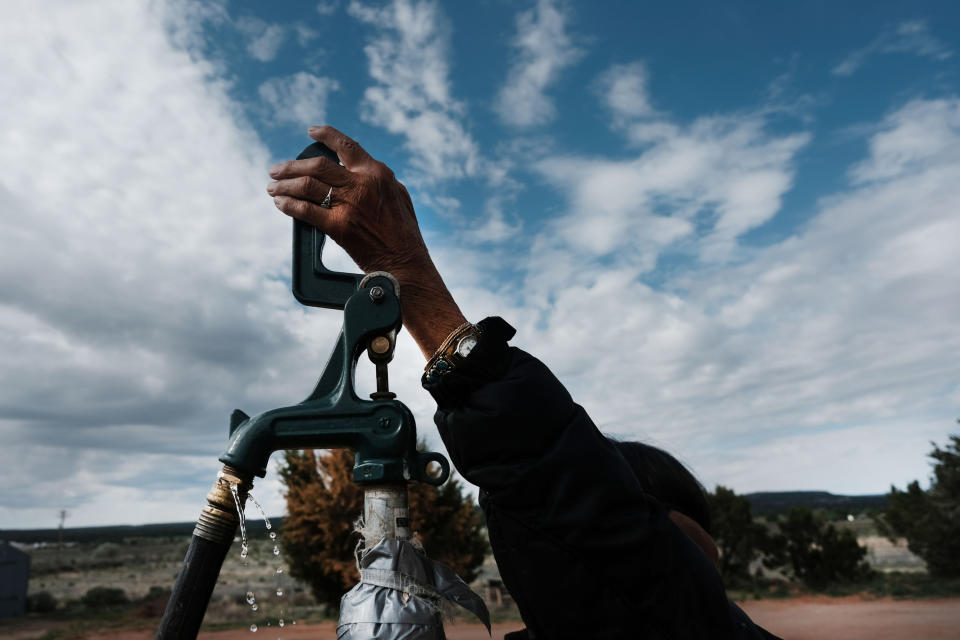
63,517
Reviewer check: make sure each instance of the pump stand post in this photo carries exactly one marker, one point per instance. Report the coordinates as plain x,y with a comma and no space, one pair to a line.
385,513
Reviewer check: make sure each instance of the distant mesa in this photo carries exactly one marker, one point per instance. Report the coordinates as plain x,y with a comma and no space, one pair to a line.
777,502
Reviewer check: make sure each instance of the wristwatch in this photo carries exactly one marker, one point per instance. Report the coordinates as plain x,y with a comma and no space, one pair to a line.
452,351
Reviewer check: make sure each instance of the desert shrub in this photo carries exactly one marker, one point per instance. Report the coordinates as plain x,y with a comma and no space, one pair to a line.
101,597
106,551
41,602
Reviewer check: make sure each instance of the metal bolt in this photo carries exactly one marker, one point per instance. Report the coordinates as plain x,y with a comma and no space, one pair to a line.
377,293
380,345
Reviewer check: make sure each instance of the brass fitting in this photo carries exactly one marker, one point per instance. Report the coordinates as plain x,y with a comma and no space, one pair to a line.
219,519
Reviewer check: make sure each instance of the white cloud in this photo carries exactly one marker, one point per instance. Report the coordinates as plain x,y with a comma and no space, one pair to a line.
912,37
722,173
305,35
494,226
824,361
724,167
544,50
623,89
299,99
141,263
186,23
328,8
263,39
912,139
408,60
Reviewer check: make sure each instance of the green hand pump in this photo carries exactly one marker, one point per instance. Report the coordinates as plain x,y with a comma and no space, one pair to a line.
381,430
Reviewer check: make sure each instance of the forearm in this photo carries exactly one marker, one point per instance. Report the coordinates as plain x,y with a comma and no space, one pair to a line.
430,313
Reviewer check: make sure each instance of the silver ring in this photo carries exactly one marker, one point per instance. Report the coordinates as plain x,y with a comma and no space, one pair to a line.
326,203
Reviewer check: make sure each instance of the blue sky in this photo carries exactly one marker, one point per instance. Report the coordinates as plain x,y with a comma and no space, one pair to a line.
729,229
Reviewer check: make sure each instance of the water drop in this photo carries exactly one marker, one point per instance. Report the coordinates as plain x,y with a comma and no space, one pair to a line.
250,597
260,509
243,552
280,622
279,593
253,628
273,535
254,606
276,550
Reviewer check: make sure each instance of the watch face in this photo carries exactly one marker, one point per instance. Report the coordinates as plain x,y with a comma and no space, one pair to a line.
466,345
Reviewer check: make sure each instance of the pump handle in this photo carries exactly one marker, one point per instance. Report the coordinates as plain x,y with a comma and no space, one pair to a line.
313,284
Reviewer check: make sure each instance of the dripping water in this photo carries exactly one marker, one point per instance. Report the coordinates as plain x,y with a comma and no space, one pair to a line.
260,509
273,534
234,491
279,573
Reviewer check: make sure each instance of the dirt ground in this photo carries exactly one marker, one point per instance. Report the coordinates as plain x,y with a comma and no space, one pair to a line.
814,618
807,618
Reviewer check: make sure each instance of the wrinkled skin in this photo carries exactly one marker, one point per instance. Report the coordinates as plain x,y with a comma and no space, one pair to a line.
372,218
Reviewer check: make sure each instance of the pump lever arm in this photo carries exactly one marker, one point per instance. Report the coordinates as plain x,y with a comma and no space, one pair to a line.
313,283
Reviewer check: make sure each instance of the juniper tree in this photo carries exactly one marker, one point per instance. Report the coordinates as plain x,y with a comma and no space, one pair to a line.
930,520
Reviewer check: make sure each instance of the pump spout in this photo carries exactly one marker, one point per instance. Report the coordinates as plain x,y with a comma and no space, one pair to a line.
382,433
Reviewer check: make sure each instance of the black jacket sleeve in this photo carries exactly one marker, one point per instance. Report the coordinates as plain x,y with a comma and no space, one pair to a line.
581,548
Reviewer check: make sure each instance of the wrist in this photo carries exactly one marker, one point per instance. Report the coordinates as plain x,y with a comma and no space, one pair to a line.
430,313
452,351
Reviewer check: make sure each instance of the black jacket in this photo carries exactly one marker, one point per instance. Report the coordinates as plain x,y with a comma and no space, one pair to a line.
584,552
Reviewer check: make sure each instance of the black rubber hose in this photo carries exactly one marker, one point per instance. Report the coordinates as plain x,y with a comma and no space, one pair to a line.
192,591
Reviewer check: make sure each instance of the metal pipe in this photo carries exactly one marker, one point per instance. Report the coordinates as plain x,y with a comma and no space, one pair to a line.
211,541
385,513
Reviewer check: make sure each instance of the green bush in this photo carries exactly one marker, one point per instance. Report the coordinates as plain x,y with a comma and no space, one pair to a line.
106,551
41,602
930,520
819,554
739,537
102,597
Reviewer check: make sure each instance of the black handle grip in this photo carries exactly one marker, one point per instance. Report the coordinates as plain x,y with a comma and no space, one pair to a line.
313,284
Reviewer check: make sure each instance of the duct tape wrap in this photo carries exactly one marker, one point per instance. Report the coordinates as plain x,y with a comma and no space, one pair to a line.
400,594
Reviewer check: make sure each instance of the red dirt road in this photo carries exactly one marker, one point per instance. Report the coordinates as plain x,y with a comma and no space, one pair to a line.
793,619
856,619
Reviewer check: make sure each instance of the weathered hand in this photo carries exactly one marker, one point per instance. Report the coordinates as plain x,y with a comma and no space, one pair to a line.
371,215
372,218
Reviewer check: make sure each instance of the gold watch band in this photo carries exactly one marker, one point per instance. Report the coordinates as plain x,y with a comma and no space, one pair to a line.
446,357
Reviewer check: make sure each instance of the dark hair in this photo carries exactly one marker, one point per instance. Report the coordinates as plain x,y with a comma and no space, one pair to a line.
665,478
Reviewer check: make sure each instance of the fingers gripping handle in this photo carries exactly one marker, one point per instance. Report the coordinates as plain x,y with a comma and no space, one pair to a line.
313,284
